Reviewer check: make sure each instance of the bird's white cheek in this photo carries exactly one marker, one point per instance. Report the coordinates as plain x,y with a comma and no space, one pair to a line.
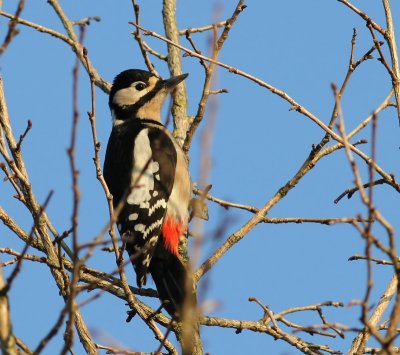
128,96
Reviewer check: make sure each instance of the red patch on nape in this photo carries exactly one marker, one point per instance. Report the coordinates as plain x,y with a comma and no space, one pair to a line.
171,231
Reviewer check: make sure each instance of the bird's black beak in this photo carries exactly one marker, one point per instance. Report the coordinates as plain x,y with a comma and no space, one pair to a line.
174,81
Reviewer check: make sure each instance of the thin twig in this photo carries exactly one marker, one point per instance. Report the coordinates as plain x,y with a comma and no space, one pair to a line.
140,42
377,261
12,30
18,255
86,21
23,135
267,311
113,350
350,192
17,267
363,15
53,330
391,41
185,31
71,303
7,339
209,70
378,47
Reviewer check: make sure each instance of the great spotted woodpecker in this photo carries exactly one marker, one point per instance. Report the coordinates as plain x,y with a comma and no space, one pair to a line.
147,174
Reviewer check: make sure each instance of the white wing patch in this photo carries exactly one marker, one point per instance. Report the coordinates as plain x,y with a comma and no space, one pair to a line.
146,260
133,216
143,175
158,204
151,227
139,227
153,240
143,172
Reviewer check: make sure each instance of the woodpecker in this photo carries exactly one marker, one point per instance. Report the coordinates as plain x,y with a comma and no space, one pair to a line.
147,173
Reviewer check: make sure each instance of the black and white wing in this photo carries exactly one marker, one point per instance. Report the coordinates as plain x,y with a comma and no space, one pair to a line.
139,170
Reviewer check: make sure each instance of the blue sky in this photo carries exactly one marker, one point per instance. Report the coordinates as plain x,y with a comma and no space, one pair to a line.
300,47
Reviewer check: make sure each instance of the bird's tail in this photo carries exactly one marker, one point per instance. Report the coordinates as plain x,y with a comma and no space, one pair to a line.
172,280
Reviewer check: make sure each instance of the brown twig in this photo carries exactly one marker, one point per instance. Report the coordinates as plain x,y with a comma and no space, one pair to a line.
277,220
71,40
359,342
377,261
209,70
7,339
113,350
21,345
228,24
14,183
350,192
86,21
53,330
370,327
23,135
383,105
368,226
38,27
363,15
390,38
352,66
378,47
4,290
18,255
276,333
391,41
140,42
15,228
185,31
367,201
71,301
96,160
42,223
314,307
268,312
12,30
153,52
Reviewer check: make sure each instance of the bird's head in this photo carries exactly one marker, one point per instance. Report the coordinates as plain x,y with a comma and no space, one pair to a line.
138,94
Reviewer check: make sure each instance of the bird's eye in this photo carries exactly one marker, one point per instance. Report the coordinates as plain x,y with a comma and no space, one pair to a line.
140,86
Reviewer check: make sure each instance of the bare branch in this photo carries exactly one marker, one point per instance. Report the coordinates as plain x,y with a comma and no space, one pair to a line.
377,261
7,340
23,135
363,15
140,41
209,71
17,268
361,339
185,31
391,41
12,30
180,102
350,192
86,21
71,40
